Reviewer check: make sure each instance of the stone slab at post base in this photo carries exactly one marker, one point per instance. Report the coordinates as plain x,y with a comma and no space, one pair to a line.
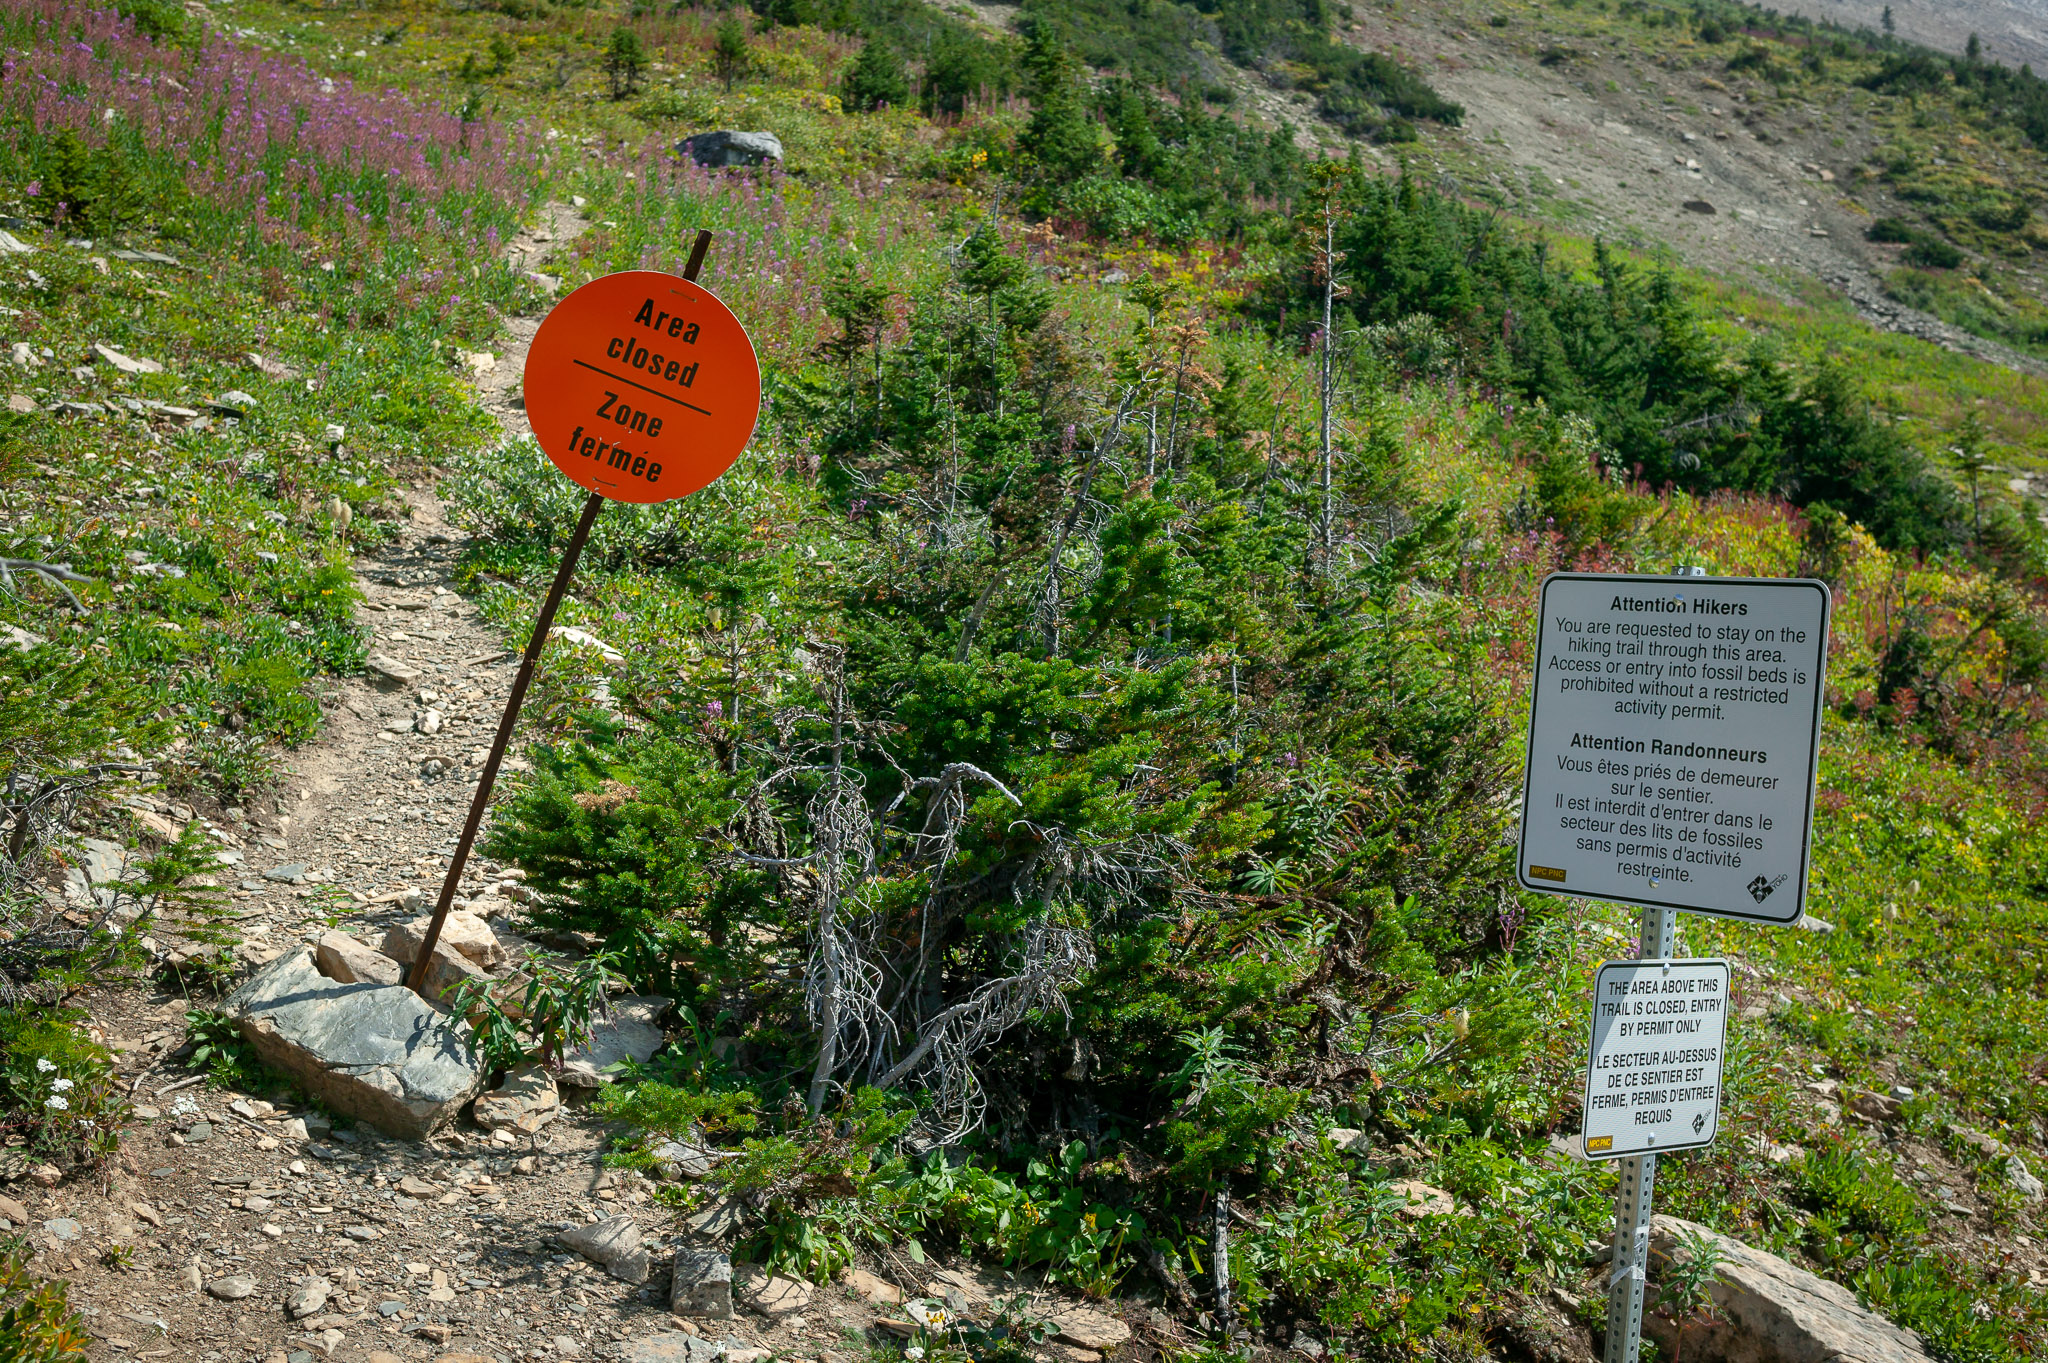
378,1053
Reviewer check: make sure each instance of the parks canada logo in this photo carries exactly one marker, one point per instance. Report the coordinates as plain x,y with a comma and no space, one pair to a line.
1761,889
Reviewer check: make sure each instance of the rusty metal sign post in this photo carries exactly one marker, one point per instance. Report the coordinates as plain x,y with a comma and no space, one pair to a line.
641,387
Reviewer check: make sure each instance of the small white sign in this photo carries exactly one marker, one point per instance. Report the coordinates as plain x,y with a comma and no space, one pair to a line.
1653,1077
1674,727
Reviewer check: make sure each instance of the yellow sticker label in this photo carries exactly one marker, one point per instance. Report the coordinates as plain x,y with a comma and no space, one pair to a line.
1546,873
1600,1143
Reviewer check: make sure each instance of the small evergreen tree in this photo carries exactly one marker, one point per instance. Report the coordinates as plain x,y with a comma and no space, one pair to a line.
876,80
1061,138
731,54
625,62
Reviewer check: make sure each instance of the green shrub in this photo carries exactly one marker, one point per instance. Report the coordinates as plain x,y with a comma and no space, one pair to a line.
1934,254
876,79
1925,1294
37,1325
59,1098
624,836
1862,1194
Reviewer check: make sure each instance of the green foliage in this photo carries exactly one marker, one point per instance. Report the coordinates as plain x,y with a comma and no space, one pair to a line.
58,1095
37,1324
625,62
552,1016
666,1110
1289,41
1863,1197
732,55
86,188
876,79
623,836
220,1049
1945,1308
1631,355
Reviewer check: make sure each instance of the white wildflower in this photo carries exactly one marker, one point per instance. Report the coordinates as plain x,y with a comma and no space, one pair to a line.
60,1084
56,1102
913,1353
44,1065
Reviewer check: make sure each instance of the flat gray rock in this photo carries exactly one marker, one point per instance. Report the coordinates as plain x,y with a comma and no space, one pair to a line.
630,1034
378,1053
232,1288
613,1244
308,1297
1774,1312
676,1348
728,147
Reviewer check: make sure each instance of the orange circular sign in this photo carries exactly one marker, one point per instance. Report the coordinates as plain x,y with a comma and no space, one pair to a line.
642,386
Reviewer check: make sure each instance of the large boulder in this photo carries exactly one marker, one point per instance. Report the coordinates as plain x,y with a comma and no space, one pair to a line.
1771,1311
729,148
379,1053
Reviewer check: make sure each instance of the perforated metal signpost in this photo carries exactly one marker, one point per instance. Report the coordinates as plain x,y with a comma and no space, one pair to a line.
1674,730
640,387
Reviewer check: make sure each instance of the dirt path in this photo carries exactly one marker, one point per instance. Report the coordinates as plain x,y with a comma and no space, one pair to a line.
212,1185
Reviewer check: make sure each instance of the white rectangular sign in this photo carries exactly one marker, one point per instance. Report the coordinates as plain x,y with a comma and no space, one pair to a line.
1653,1076
1674,728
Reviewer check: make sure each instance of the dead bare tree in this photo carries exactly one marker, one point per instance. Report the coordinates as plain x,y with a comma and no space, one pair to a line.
896,994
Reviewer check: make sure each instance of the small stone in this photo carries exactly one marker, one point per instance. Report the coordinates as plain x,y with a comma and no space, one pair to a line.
388,1309
199,1131
125,363
344,959
1420,1200
874,1289
232,1288
771,1294
528,1164
1700,206
142,1211
700,1284
681,1160
462,932
389,672
292,874
292,1128
193,1279
15,1212
2022,1180
672,1348
428,722
271,1231
362,1233
46,1176
413,1186
63,1228
308,1298
1084,1327
526,1101
566,1347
